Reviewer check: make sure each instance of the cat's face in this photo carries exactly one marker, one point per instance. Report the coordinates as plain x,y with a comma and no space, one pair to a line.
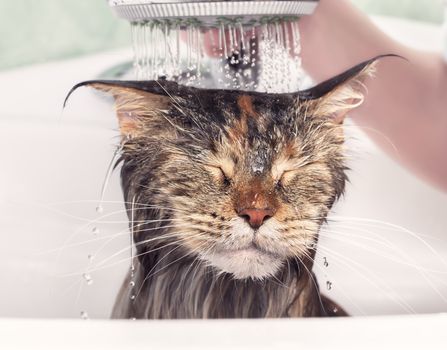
241,181
251,192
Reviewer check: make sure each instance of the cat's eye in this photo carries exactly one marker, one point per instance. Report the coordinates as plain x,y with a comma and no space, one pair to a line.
286,177
225,178
307,168
219,175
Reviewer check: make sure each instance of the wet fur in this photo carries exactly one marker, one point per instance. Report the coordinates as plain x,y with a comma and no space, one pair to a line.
192,159
175,177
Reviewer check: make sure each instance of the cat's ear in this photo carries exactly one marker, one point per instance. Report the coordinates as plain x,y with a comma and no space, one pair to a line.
337,96
136,102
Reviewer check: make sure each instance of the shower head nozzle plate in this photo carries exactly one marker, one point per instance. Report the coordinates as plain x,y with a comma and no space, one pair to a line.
210,12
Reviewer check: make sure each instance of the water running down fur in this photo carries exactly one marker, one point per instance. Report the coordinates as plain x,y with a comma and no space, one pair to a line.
228,191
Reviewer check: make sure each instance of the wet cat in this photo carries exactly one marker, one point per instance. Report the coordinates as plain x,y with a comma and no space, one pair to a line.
226,192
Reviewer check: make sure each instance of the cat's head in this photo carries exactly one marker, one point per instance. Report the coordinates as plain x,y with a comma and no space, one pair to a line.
241,181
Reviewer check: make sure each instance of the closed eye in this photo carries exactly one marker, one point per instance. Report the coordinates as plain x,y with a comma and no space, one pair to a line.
285,168
219,175
287,176
226,179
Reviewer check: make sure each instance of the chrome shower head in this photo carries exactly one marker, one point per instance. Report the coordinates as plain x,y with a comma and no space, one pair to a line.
211,12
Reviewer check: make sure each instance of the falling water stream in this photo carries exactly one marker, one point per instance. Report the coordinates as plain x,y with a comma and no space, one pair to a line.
263,57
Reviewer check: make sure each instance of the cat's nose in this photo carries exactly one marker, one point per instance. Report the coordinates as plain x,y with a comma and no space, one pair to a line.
256,217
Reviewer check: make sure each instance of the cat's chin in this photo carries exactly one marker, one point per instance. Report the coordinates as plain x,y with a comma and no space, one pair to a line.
248,263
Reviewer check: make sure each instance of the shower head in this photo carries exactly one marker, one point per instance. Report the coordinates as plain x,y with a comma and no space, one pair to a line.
212,12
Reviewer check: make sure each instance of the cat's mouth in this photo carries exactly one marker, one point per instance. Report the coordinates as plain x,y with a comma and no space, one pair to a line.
252,248
250,261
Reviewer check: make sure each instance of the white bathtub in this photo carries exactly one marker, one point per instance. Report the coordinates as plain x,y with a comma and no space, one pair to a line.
52,169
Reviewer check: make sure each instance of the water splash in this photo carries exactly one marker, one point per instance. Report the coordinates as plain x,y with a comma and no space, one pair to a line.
328,285
262,56
281,62
88,278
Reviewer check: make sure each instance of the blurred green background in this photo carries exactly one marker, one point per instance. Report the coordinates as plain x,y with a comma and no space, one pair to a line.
33,31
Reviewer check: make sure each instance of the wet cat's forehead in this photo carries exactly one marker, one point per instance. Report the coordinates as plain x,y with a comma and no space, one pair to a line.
222,106
258,162
253,138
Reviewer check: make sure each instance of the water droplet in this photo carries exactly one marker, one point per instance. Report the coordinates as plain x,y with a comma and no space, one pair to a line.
88,278
132,284
90,257
326,264
133,319
132,297
99,209
95,230
328,285
335,310
84,315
